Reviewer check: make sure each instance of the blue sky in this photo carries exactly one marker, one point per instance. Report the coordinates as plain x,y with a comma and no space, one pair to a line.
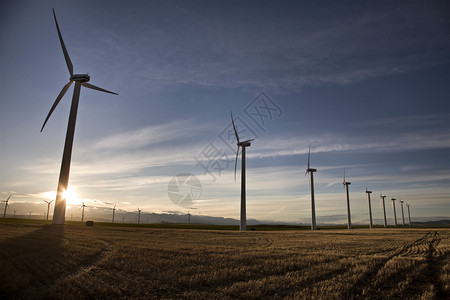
364,83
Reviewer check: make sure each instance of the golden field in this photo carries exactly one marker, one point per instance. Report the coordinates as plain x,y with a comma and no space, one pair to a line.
78,262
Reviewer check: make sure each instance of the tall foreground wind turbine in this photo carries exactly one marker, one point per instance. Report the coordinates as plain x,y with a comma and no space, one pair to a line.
349,219
313,207
243,144
370,208
384,209
395,214
80,80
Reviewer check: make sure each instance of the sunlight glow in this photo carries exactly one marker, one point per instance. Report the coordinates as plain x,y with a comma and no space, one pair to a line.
71,197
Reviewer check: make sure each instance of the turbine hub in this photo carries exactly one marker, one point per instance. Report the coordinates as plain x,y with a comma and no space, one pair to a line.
80,77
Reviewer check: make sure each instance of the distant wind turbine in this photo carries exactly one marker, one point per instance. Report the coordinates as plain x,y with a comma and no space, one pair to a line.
370,208
139,216
80,80
393,207
384,209
409,214
349,221
311,171
48,206
243,144
114,212
82,212
403,215
6,205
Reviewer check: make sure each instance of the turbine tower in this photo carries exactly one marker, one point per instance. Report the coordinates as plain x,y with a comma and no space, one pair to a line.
82,212
243,144
139,216
349,220
370,208
311,171
403,215
384,208
409,214
59,214
114,212
6,206
48,206
393,207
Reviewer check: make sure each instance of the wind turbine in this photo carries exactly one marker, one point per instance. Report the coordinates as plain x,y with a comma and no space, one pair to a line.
370,207
349,221
311,171
403,215
384,209
48,206
393,207
82,212
6,206
114,212
59,214
409,214
243,144
139,216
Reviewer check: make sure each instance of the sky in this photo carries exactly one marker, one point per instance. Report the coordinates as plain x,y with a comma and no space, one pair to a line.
365,84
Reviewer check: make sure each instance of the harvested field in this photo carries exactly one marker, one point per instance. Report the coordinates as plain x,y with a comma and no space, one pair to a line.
78,262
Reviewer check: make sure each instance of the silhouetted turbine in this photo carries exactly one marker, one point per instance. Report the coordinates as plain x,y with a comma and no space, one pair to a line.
384,209
349,220
114,212
48,206
311,171
139,216
395,214
409,214
403,215
370,208
6,206
244,144
59,214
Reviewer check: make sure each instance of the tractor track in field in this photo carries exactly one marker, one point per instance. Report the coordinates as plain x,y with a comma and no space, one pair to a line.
426,258
92,263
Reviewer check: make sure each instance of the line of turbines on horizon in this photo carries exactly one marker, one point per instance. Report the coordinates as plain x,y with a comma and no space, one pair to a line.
82,80
310,171
83,206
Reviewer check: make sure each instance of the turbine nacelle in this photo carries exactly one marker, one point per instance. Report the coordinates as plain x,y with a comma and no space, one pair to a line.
244,143
309,170
80,78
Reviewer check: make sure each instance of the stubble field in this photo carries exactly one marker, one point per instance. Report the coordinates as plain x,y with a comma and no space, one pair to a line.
79,262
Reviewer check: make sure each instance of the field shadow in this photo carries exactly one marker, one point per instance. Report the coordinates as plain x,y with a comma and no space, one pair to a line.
30,260
421,276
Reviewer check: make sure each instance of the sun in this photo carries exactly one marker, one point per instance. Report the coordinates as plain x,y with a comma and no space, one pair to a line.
71,197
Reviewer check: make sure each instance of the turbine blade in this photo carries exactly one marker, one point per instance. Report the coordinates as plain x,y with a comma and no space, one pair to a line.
61,94
234,127
66,55
235,163
309,153
8,198
85,84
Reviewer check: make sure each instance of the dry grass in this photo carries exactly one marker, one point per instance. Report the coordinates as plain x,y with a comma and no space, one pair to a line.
77,262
